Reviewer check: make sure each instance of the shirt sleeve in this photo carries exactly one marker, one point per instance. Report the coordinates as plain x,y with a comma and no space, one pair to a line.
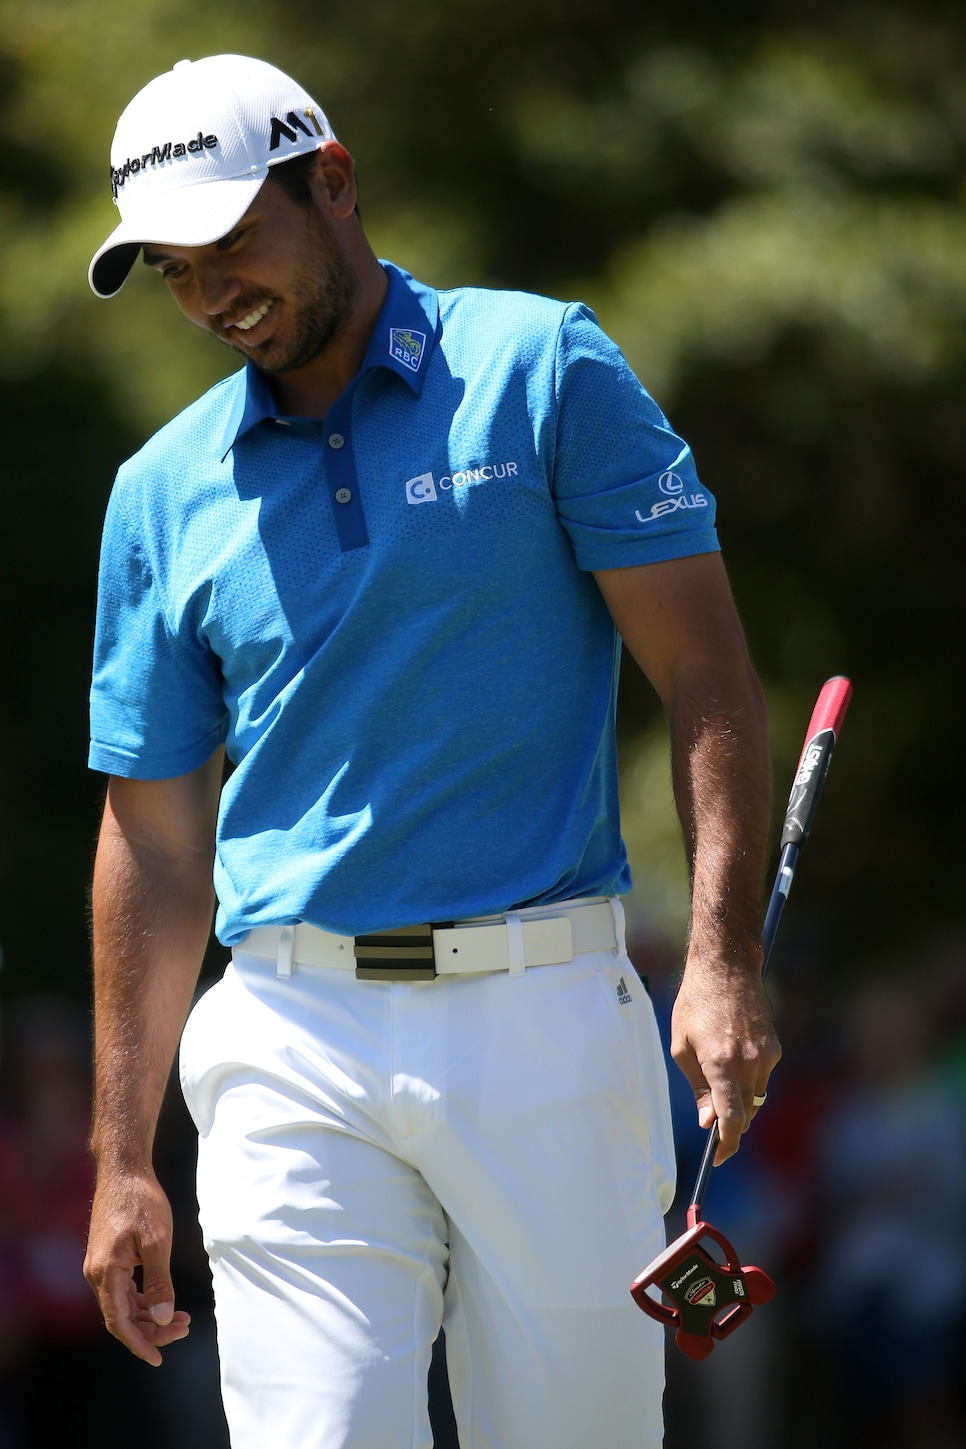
157,708
625,484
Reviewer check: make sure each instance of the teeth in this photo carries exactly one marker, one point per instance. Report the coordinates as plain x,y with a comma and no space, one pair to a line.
253,317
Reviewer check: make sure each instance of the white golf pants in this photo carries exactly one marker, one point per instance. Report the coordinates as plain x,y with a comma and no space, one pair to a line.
487,1152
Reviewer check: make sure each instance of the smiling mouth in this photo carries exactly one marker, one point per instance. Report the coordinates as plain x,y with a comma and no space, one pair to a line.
244,324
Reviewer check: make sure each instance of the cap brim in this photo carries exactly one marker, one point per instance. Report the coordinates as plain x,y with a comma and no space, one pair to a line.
191,216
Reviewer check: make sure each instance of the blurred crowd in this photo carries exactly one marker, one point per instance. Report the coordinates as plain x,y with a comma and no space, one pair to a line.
850,1192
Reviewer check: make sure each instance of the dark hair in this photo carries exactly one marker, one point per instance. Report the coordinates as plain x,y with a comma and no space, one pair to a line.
293,177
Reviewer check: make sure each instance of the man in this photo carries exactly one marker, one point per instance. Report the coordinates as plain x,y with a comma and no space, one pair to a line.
381,569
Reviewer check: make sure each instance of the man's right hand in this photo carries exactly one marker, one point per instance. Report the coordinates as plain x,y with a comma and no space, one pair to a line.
131,1227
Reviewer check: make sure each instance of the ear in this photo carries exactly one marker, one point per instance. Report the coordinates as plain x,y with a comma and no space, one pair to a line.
333,180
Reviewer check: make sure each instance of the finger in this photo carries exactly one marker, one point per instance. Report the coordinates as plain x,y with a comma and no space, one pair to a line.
157,1290
731,1125
716,1106
144,1336
719,1096
118,1299
159,1335
728,1104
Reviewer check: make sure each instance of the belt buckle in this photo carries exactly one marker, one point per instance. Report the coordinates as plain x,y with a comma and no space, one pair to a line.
403,954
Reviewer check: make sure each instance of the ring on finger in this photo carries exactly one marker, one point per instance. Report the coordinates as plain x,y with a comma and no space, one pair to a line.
759,1101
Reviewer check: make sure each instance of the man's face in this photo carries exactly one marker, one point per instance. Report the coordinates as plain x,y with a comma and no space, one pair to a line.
278,288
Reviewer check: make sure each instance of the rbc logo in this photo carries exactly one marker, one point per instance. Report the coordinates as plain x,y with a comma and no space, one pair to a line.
407,346
421,489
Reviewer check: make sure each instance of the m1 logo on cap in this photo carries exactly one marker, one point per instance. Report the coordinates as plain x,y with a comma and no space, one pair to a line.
290,127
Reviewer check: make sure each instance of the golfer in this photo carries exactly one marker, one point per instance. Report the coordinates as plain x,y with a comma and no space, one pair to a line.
359,623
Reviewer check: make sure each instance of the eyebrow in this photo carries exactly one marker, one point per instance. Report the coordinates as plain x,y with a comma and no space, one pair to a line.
151,258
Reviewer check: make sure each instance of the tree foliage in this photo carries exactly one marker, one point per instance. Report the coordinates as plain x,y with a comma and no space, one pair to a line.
763,202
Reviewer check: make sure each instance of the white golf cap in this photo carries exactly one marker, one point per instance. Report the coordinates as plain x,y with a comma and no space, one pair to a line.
192,150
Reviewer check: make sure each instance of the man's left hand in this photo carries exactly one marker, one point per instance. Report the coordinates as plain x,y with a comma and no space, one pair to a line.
723,1039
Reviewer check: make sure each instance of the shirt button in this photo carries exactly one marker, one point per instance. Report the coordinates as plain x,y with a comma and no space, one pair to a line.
336,440
343,495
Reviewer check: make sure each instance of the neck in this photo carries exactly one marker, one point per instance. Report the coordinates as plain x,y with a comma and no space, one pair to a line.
311,390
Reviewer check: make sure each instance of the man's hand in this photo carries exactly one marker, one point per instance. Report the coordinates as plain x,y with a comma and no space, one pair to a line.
723,1039
131,1228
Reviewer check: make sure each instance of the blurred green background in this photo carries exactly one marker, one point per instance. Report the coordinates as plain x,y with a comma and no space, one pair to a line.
764,204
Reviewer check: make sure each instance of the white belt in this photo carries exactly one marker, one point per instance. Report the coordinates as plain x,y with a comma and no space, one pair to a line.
534,936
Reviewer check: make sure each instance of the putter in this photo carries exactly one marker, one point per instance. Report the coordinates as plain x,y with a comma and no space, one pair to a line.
709,1294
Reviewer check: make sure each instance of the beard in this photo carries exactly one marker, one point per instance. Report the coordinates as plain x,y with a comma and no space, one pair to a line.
321,300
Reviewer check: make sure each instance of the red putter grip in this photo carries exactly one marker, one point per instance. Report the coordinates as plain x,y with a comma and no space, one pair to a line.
823,727
830,707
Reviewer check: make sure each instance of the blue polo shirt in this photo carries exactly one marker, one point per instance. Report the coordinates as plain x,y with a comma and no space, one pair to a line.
388,618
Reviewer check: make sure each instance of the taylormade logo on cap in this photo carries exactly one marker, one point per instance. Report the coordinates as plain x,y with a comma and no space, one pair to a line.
157,155
192,150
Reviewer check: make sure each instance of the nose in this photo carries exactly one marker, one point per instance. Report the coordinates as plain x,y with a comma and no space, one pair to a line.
217,289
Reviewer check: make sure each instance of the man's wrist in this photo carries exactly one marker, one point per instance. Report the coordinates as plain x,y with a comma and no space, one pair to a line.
114,1159
724,960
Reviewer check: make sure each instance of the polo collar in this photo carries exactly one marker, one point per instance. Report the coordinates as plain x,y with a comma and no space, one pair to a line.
406,329
402,340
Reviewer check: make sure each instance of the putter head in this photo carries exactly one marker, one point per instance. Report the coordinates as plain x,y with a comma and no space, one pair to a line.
708,1298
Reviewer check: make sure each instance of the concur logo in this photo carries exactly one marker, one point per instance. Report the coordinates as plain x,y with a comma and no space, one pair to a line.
421,489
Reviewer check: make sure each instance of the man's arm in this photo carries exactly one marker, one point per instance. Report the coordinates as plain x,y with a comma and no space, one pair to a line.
679,622
152,908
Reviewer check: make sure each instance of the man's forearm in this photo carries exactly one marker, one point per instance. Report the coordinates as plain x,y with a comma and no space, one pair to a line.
722,786
723,1035
151,921
679,621
152,905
